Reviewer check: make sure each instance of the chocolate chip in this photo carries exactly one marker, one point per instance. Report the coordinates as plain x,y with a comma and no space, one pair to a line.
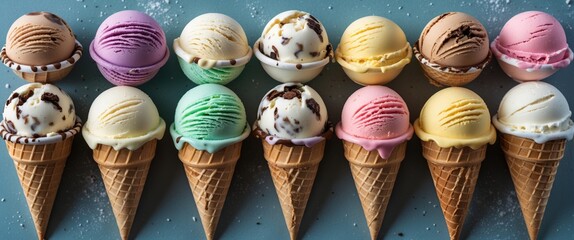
299,66
64,118
275,53
314,54
232,61
315,26
53,99
289,95
195,60
276,113
51,123
263,109
14,96
314,107
300,49
35,124
177,139
57,65
21,100
34,13
275,126
34,68
285,40
297,122
329,50
44,68
53,18
286,119
71,60
273,94
10,127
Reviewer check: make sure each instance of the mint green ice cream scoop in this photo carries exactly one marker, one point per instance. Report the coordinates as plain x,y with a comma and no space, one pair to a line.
209,117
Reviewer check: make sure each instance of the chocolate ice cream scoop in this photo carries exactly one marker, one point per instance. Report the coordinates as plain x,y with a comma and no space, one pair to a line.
454,39
39,38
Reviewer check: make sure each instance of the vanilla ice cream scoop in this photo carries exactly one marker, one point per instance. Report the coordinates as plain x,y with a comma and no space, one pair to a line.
214,36
535,110
292,111
122,117
456,117
38,110
295,37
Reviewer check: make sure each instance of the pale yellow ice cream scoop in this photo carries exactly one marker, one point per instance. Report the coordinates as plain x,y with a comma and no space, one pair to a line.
373,51
373,42
455,117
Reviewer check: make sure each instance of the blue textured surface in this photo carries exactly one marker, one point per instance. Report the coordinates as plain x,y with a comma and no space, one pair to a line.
252,211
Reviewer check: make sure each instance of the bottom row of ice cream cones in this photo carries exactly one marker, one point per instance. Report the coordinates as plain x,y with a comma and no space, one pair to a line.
454,127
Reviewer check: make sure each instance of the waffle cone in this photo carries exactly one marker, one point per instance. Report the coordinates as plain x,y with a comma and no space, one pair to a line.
40,169
443,78
454,172
124,173
293,170
209,176
533,168
44,77
374,178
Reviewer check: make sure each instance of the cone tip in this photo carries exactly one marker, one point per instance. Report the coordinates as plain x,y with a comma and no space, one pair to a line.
374,232
40,234
533,232
293,234
125,234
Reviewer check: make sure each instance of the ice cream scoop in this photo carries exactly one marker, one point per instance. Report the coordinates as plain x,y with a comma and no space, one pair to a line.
374,129
39,110
532,46
534,121
292,125
122,117
212,48
39,124
41,47
129,48
292,111
294,47
535,110
373,50
453,49
375,117
209,117
454,127
123,129
455,117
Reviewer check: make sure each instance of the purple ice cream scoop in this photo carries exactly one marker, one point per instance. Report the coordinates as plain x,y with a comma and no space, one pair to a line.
129,48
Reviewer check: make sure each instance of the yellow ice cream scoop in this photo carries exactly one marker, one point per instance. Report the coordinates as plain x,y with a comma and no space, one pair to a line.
373,44
455,117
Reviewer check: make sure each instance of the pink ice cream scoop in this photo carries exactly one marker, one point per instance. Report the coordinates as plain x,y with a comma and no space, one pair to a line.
532,41
375,117
129,48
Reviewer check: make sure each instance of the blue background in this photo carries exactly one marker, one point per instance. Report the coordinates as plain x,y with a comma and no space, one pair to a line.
252,211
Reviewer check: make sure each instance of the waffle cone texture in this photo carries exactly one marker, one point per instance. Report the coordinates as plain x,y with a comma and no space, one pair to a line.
293,170
454,172
124,173
533,168
40,169
374,178
209,176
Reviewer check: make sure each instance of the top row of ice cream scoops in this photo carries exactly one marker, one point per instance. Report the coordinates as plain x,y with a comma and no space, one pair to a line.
130,48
